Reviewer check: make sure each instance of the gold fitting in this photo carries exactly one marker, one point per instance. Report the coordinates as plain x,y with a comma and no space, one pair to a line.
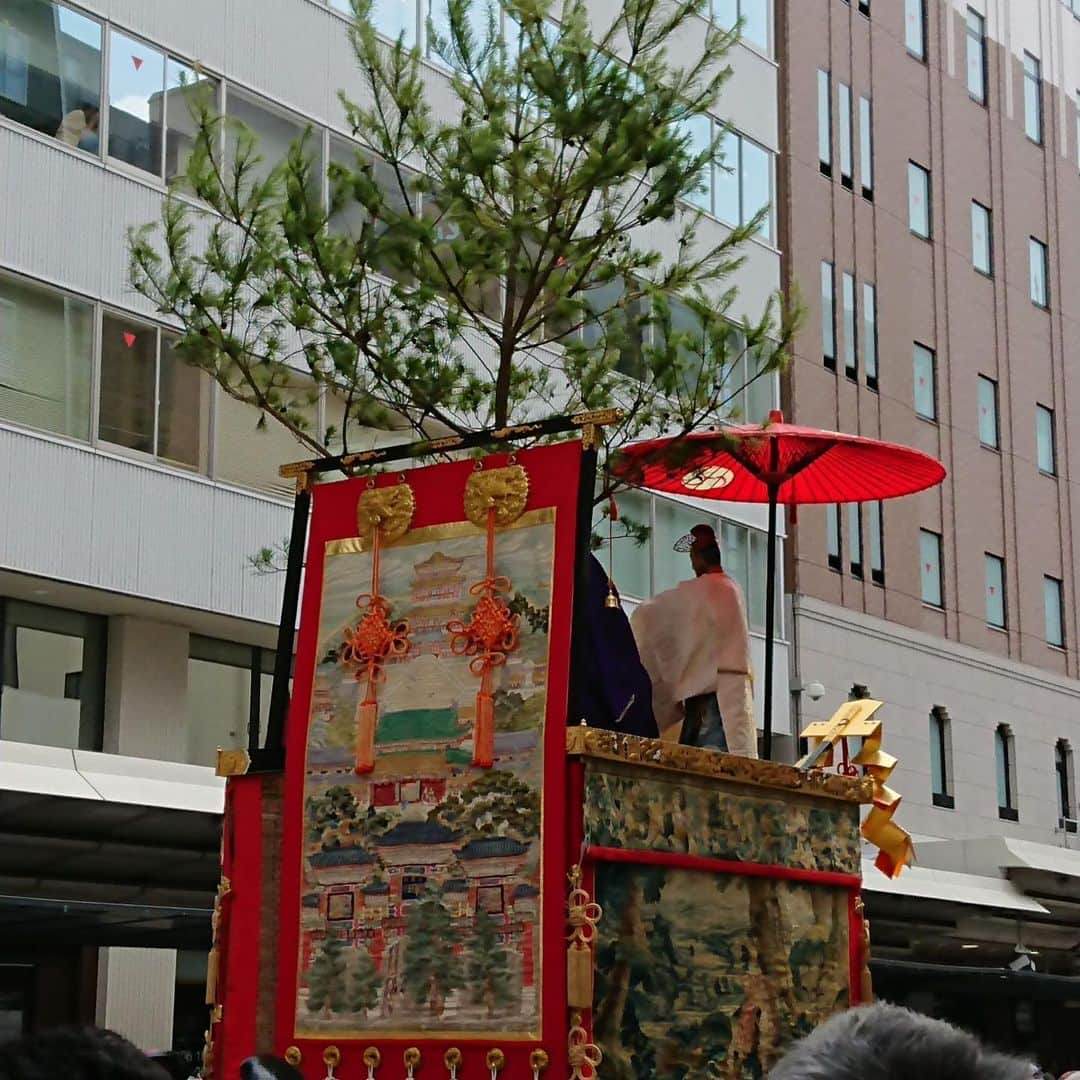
412,1058
372,1057
331,1057
538,1060
293,1056
495,1059
452,1058
612,601
232,762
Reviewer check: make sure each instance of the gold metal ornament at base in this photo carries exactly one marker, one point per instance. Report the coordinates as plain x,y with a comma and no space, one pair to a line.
452,1060
504,491
293,1056
331,1057
538,1061
387,509
372,1059
232,762
412,1059
495,1059
611,601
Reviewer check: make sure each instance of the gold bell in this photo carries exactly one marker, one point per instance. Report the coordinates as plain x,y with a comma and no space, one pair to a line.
612,601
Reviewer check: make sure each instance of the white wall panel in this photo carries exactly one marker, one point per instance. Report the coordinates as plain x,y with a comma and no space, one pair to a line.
80,516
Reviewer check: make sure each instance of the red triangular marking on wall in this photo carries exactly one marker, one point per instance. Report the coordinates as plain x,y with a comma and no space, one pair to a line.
137,61
129,338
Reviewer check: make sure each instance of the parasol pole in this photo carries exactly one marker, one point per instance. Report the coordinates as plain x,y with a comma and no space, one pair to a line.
770,596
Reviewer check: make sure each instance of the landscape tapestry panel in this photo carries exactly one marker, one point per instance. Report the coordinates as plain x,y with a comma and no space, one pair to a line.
420,907
703,976
661,812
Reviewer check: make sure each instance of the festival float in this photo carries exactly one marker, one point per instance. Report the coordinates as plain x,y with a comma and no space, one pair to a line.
431,868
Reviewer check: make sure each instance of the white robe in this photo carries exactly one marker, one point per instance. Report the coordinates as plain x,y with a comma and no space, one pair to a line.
694,639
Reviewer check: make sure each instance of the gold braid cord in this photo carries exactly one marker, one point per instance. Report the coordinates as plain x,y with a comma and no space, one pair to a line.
582,914
383,515
585,1056
857,719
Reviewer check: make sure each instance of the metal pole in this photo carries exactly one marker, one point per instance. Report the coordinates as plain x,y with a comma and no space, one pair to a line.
770,621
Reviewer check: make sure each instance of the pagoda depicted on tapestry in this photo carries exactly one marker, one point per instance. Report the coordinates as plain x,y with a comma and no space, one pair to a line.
421,878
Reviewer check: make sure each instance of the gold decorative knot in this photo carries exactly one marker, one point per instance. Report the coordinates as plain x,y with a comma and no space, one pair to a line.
411,1057
388,510
293,1056
585,1057
504,492
491,631
452,1059
496,1059
583,916
372,1058
373,640
331,1057
538,1061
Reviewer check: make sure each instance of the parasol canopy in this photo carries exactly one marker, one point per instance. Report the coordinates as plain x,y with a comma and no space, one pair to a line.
803,465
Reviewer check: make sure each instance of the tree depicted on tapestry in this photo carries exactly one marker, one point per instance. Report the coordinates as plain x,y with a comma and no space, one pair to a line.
433,970
365,982
336,819
488,968
327,991
495,804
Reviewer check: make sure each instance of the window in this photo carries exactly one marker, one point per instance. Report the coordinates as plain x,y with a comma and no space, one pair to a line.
850,343
748,393
743,183
915,27
1044,436
919,200
46,358
754,15
870,342
981,251
925,382
833,534
391,18
988,413
995,591
877,543
941,758
828,314
1033,121
1078,128
824,119
151,401
976,56
672,520
1005,768
439,16
930,568
1063,768
228,696
50,71
1053,606
276,132
630,561
745,555
845,135
1040,273
699,130
52,673
866,148
855,534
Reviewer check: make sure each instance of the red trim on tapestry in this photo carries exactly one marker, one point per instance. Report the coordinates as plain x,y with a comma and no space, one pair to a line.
855,949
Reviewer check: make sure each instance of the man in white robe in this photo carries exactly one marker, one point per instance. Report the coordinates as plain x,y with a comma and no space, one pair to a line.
695,645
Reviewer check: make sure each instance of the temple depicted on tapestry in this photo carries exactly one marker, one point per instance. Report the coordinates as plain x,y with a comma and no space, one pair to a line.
421,878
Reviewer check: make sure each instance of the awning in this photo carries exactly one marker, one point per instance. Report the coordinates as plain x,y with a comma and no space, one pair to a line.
102,849
993,855
969,980
923,883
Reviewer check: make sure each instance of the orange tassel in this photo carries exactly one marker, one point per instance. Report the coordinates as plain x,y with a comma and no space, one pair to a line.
484,731
367,716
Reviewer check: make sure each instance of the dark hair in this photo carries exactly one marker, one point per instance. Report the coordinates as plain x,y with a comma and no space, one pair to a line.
885,1042
265,1067
88,109
76,1054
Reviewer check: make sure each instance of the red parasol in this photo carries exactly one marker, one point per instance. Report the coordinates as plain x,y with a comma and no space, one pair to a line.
777,463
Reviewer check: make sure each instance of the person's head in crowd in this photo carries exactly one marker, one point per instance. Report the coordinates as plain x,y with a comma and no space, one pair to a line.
76,1054
704,551
268,1068
886,1042
93,116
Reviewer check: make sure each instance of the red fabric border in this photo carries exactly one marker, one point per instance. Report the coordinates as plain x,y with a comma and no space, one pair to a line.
554,474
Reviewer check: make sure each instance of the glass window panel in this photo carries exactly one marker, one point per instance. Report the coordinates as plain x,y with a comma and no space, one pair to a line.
699,131
391,18
844,124
866,146
877,547
755,25
925,382
824,122
918,200
136,99
988,412
939,735
218,701
184,394
1063,769
50,71
673,520
1039,289
1044,433
726,205
438,11
855,538
629,561
870,342
46,358
275,134
1001,768
995,591
128,383
53,677
980,238
756,175
185,89
833,536
850,344
725,13
828,311
1052,602
1032,98
761,392
930,567
915,27
736,554
976,55
754,586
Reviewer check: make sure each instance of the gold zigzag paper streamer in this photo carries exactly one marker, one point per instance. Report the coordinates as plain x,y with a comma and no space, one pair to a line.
855,720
